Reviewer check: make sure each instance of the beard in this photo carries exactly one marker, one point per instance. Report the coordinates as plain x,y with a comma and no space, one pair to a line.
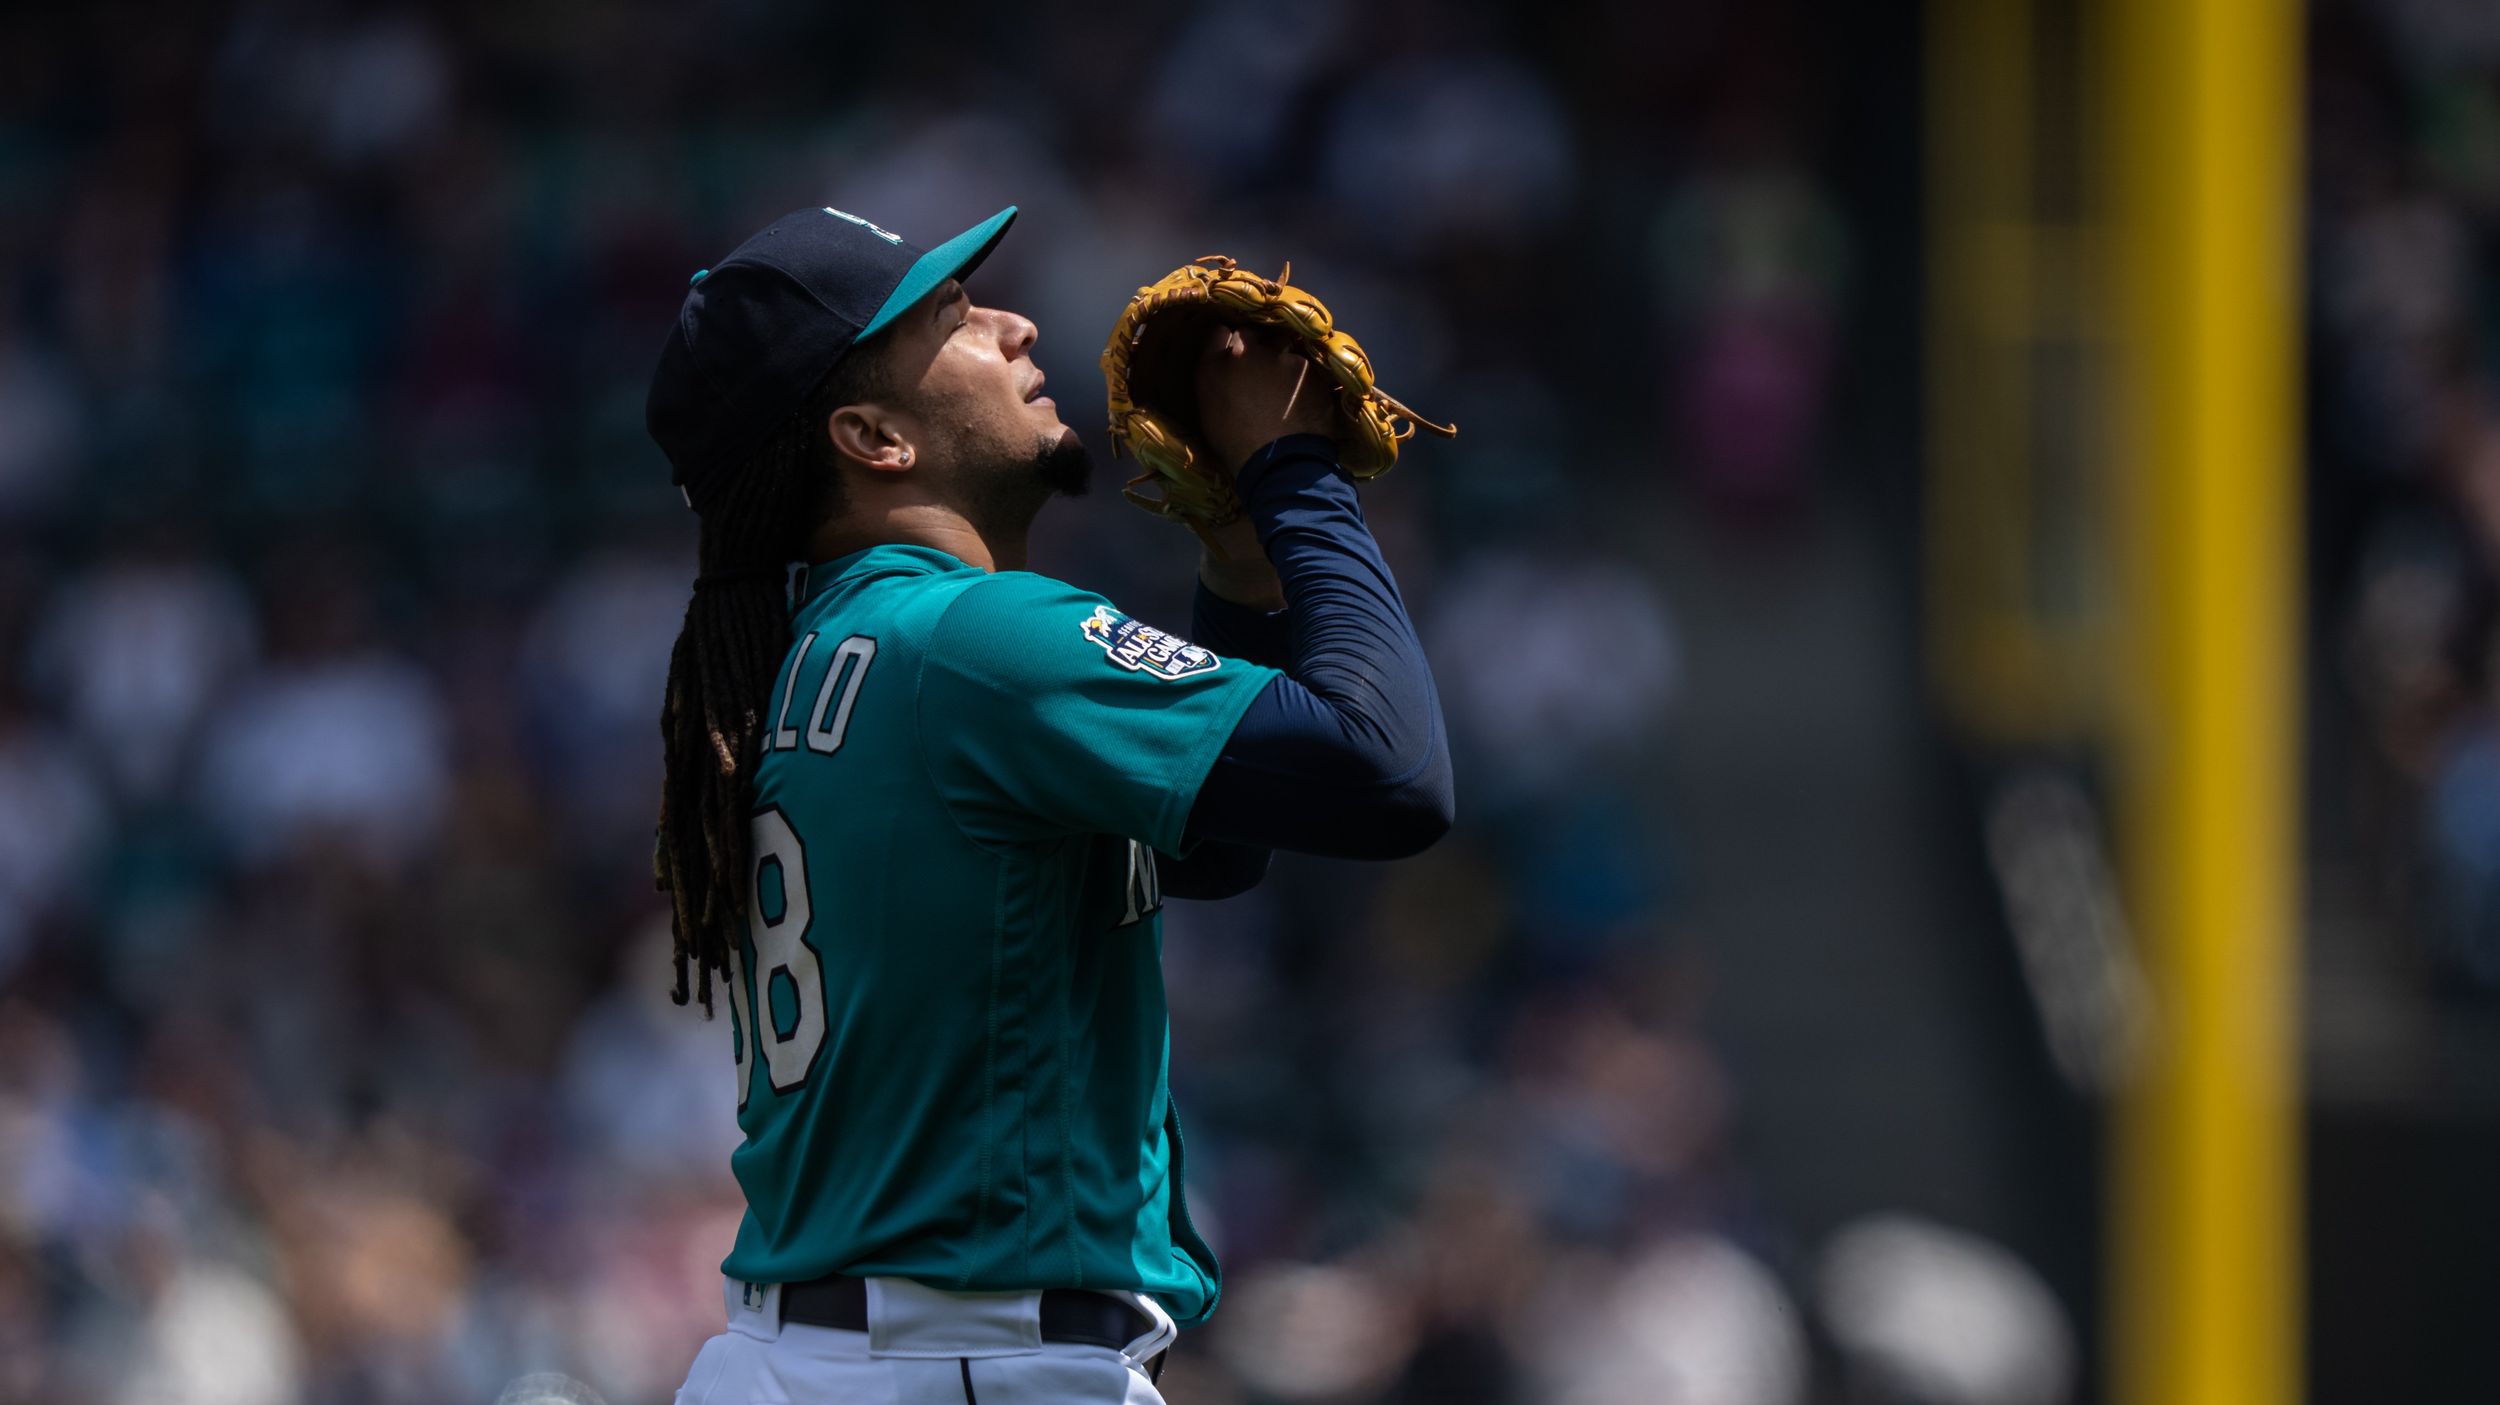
1065,466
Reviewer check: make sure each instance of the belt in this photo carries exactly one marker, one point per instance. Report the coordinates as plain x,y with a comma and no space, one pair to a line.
840,1301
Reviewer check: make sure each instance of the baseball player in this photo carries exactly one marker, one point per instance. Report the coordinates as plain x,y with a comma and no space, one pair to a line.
923,807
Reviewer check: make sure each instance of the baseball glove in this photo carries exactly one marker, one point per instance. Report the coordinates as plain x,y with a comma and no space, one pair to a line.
1150,366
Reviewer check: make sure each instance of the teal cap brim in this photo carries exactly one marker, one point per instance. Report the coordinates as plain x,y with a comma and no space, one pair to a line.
953,259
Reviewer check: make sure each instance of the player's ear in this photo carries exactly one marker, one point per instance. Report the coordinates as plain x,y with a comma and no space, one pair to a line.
871,437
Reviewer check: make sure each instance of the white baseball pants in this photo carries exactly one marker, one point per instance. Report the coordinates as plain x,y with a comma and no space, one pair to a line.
922,1347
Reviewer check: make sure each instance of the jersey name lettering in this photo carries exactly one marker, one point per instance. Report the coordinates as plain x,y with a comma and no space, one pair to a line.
831,718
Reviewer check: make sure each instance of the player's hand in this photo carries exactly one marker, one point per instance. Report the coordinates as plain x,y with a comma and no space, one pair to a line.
1253,389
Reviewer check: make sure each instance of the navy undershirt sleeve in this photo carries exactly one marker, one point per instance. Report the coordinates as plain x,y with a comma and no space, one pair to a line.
1239,631
1346,755
1213,868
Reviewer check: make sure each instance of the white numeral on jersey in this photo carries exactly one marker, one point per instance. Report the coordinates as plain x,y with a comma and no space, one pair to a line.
852,657
782,951
741,1020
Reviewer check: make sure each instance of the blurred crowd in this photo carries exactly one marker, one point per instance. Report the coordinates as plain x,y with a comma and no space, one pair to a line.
338,583
2405,365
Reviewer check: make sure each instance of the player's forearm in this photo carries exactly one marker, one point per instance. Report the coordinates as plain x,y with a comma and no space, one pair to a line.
1346,755
1352,643
1233,569
1239,631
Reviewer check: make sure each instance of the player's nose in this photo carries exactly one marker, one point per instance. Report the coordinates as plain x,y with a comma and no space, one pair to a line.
1016,332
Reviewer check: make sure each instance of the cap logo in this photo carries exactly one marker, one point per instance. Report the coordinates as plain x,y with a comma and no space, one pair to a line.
887,235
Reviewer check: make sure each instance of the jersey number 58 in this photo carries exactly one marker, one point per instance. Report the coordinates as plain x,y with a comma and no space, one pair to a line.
790,994
778,909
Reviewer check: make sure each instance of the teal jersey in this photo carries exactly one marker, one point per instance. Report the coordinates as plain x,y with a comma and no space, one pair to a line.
948,1013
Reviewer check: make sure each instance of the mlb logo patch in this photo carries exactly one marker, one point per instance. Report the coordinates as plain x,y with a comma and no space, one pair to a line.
1142,648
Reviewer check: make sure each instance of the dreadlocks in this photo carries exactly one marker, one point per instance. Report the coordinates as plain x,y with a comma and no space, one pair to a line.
754,522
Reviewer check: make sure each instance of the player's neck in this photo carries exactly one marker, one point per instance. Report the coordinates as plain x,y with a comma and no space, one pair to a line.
919,524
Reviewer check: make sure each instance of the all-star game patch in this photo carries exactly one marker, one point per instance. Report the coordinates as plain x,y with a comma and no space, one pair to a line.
1142,648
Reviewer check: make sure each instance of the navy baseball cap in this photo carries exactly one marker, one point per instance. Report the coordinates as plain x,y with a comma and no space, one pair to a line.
760,328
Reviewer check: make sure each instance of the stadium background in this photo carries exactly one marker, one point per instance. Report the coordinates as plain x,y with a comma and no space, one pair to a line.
1758,1037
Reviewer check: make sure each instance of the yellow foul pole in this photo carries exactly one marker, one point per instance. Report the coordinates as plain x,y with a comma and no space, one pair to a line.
2205,1266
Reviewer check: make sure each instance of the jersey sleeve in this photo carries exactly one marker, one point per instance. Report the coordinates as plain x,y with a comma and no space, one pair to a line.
1047,711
